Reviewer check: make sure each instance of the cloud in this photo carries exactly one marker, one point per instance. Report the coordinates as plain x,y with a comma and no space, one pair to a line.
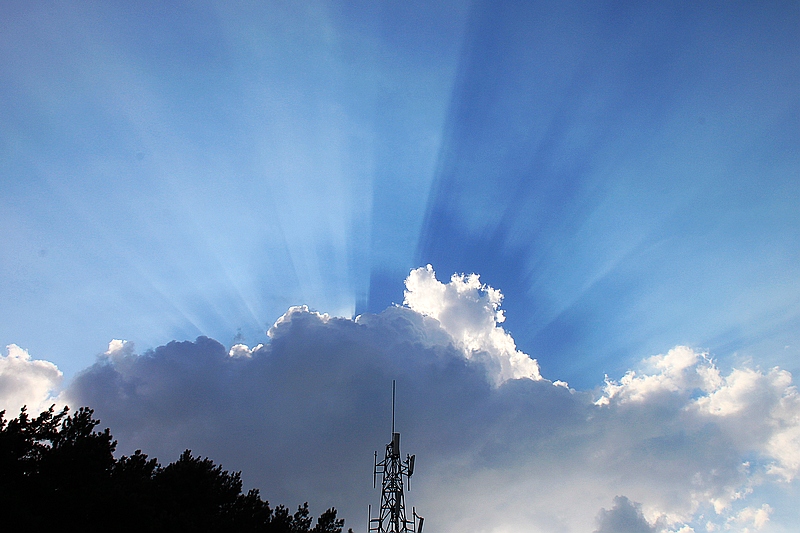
664,375
469,312
242,350
26,381
118,350
499,448
624,517
758,411
751,519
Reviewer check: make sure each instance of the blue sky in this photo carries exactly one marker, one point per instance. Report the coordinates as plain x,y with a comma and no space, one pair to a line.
627,175
196,169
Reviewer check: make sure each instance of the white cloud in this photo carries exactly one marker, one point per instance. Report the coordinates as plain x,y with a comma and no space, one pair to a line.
242,350
291,312
118,349
679,444
750,519
26,381
469,312
759,411
676,371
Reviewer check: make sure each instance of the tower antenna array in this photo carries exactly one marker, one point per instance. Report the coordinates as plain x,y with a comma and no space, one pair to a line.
392,517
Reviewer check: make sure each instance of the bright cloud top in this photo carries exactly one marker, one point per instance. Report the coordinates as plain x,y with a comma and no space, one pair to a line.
675,445
26,381
470,312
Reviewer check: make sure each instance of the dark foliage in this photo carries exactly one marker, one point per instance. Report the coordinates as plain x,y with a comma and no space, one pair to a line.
57,472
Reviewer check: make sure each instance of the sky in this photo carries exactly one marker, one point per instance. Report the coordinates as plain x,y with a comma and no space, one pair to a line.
570,230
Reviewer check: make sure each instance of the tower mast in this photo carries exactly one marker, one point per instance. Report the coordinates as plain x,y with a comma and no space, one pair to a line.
392,517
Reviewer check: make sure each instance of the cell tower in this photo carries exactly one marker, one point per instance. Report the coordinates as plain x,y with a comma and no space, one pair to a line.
392,516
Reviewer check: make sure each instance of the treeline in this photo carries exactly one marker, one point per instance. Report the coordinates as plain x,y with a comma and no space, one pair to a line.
57,472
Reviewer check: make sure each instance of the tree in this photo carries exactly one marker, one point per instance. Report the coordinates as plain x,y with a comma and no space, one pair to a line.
58,472
327,523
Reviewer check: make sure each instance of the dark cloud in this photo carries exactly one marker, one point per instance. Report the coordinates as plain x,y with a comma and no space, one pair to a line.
303,414
625,517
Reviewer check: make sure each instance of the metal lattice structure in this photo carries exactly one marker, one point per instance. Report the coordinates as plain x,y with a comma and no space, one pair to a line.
393,470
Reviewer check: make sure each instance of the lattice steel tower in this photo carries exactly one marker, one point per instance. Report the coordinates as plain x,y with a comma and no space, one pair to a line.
392,517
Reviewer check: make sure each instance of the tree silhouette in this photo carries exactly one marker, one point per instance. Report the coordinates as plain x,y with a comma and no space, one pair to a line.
58,472
327,523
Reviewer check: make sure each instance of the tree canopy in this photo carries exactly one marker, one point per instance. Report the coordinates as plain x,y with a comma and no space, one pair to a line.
58,471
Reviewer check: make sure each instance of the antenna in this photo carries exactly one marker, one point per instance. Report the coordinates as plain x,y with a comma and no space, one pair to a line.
393,470
393,389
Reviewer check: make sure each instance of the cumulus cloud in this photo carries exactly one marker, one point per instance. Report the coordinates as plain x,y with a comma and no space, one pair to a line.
663,375
26,381
674,445
469,312
758,411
